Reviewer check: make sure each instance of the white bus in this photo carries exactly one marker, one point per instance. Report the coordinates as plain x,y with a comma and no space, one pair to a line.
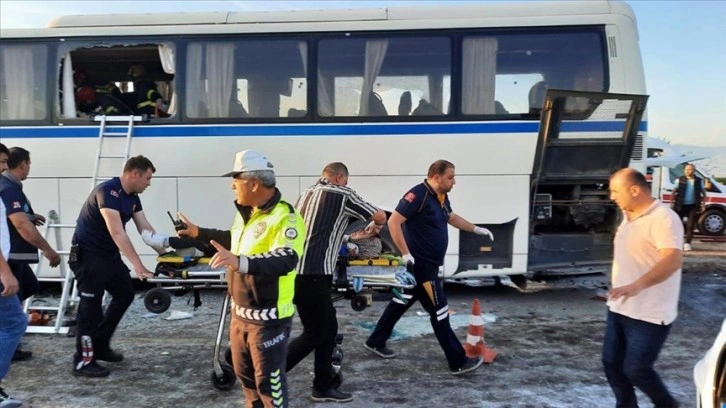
386,91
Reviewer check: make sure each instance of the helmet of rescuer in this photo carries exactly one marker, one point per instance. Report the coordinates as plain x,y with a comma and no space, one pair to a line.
136,71
86,94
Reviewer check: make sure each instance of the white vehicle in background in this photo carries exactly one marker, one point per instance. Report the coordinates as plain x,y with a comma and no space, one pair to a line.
665,164
709,374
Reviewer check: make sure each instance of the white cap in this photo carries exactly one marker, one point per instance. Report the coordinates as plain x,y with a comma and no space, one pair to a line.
249,160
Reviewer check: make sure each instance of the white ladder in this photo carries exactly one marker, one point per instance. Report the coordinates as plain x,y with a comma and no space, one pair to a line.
70,297
66,280
103,134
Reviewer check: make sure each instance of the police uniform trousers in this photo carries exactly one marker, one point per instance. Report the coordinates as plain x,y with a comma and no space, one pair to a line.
259,353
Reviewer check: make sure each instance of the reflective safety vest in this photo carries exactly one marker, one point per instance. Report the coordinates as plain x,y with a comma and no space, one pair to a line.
270,238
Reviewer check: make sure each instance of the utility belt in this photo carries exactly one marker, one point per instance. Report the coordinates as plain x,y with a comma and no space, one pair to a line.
76,255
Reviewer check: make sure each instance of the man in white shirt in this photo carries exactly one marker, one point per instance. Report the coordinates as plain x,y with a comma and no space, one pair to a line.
646,282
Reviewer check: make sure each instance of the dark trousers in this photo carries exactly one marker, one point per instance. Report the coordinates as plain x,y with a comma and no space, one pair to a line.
430,293
320,326
258,355
27,281
95,274
630,350
690,211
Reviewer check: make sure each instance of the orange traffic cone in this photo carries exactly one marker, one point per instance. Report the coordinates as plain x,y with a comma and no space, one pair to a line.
475,346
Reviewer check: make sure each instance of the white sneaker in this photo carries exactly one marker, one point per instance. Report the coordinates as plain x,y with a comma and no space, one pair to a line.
687,247
155,239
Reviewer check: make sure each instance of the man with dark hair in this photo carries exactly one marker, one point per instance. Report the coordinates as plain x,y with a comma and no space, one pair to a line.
646,283
327,207
23,234
688,199
419,228
13,321
99,239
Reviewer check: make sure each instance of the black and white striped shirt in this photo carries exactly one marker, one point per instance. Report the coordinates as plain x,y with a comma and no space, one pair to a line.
327,209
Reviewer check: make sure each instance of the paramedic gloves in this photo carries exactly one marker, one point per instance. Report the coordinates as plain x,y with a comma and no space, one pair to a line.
408,262
155,239
483,231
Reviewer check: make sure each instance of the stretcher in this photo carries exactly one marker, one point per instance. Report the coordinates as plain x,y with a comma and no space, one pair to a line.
355,280
177,274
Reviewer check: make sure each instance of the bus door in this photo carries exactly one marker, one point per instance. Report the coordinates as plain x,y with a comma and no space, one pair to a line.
583,138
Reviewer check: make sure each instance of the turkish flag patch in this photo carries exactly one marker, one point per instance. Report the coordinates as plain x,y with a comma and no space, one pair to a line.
409,197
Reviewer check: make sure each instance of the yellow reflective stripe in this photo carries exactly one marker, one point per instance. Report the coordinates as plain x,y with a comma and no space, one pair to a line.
150,93
145,103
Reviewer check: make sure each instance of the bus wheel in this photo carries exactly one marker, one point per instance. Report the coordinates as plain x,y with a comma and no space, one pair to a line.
712,222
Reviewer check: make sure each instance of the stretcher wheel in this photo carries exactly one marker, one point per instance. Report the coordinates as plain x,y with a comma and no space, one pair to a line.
359,303
226,381
157,300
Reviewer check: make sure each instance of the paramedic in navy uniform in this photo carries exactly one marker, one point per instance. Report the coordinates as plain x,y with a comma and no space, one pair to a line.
419,228
99,239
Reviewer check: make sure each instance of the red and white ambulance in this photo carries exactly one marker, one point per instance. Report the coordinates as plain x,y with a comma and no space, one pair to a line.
665,164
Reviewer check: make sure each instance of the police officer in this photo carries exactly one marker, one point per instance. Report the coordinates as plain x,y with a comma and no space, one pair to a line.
419,228
24,237
260,253
95,259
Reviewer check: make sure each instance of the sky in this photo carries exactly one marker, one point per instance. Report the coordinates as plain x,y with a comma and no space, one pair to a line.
683,44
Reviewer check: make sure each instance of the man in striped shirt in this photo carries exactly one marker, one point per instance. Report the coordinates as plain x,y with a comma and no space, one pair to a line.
326,207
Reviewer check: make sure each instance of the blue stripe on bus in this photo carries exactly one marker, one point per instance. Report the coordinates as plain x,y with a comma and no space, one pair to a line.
311,130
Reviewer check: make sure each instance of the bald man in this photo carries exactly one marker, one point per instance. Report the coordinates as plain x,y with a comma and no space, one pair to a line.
646,282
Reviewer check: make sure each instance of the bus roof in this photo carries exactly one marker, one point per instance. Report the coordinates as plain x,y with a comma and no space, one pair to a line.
427,17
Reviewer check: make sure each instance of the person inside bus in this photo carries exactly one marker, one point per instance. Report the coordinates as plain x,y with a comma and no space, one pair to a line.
100,100
536,97
689,197
148,99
